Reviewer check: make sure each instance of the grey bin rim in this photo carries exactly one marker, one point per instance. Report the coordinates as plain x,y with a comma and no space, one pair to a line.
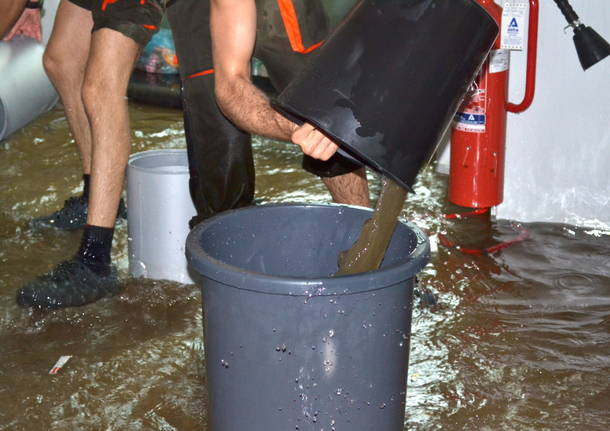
135,157
239,278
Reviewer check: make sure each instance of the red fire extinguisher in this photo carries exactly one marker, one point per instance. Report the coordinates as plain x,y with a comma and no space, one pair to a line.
479,131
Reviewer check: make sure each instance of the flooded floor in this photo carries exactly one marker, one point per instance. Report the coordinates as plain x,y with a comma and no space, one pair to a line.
519,340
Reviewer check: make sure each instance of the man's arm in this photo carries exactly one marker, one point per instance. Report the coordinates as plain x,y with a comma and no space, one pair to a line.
233,27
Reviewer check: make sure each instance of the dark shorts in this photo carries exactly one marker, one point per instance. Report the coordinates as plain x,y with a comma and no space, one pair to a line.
136,19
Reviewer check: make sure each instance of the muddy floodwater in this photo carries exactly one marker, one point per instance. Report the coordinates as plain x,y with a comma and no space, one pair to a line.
519,340
368,251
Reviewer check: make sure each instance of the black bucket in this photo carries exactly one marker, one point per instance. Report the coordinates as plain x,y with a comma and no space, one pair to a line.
387,82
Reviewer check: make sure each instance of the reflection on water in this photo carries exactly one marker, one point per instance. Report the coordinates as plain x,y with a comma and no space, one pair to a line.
519,340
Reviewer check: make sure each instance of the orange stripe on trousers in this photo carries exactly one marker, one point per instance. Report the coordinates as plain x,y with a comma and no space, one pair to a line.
202,73
291,24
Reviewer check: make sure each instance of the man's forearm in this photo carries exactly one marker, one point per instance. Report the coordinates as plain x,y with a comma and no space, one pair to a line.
233,28
249,108
10,11
238,98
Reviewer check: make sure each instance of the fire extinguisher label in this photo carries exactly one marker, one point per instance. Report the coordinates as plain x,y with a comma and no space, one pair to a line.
471,115
469,122
499,60
514,23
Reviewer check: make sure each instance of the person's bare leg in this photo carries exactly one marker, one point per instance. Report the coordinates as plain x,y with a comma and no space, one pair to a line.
351,188
89,275
111,61
65,58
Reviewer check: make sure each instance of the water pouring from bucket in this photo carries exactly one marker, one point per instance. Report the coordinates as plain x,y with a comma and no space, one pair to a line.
385,87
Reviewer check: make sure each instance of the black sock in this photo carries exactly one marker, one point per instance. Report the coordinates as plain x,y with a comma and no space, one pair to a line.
86,182
95,248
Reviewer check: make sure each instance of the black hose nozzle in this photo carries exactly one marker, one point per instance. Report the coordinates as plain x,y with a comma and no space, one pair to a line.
590,46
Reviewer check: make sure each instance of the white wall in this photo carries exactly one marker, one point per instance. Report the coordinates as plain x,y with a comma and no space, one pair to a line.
558,151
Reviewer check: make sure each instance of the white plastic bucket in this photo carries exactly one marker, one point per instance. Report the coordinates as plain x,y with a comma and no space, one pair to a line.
159,208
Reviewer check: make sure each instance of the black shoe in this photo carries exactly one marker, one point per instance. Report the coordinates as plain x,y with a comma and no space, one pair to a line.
70,284
72,216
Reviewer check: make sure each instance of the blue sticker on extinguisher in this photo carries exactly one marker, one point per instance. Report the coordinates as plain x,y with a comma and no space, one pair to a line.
469,122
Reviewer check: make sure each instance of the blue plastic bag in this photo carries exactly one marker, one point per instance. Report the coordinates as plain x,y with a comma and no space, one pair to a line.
159,55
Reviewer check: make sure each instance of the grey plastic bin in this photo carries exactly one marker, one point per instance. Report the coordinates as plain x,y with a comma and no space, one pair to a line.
287,345
159,208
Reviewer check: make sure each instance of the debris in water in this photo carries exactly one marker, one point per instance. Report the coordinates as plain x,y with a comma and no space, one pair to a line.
59,364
